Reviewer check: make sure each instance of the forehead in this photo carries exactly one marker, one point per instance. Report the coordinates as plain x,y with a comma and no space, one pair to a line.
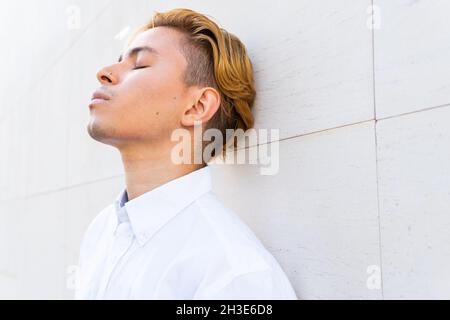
166,41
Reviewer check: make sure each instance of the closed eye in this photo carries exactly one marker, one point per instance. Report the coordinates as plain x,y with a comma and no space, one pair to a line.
140,67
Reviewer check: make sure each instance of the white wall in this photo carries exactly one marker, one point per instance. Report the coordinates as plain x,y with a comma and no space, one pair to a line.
364,176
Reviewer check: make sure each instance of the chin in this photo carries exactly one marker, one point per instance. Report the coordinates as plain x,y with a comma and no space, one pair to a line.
99,132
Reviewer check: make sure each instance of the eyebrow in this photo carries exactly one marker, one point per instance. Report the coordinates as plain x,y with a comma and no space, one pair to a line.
136,50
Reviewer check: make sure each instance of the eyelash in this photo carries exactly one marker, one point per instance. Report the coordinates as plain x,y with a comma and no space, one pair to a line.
141,67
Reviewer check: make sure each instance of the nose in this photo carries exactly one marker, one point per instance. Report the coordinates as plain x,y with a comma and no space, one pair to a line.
106,76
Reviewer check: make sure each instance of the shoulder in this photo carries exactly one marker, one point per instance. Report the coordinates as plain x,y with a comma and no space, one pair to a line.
230,234
258,285
241,265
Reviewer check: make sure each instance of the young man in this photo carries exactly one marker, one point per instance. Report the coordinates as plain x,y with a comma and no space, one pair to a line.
167,236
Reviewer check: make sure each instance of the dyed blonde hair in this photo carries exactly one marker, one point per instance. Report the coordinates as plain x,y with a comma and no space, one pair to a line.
215,58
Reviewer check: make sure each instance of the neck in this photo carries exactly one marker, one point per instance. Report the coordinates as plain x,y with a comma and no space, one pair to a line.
146,169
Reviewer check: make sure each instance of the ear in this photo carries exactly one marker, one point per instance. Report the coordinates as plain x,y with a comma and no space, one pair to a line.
203,107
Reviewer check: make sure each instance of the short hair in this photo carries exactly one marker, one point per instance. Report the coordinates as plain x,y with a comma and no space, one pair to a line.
215,58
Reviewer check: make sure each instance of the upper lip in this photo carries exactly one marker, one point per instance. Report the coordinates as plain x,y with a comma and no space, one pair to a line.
98,94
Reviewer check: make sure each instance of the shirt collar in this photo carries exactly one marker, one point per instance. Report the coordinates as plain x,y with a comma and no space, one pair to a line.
123,198
153,209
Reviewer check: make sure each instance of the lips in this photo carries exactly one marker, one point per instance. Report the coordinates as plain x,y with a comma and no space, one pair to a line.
99,97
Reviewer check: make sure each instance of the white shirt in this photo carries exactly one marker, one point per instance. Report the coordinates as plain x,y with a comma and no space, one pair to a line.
177,241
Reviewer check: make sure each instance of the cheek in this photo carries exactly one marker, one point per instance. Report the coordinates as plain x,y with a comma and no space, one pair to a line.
142,107
154,96
151,90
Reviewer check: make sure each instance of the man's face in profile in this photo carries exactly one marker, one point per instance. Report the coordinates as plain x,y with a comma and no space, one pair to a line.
143,96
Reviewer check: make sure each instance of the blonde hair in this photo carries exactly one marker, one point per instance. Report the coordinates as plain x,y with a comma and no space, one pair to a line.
215,58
